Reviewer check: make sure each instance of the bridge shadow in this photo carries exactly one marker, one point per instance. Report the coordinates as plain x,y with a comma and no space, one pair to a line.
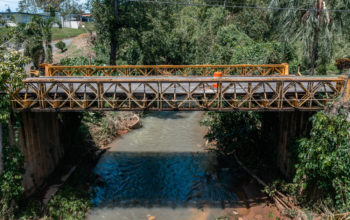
167,179
168,114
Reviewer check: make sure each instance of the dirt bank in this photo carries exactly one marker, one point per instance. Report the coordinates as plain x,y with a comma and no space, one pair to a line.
112,125
80,46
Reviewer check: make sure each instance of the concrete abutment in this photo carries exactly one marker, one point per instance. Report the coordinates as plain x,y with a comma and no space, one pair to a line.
282,129
45,137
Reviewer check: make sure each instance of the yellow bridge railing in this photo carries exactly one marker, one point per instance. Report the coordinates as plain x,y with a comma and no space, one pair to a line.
168,70
178,93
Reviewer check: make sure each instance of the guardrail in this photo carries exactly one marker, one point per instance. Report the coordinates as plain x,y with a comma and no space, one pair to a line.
178,93
167,70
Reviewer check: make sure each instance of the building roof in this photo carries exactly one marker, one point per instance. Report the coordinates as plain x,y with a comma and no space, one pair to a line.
22,13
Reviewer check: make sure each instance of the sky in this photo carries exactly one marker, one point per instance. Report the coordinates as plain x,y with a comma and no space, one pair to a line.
4,4
13,4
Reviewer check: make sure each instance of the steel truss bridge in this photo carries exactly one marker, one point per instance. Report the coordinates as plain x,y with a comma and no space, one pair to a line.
172,88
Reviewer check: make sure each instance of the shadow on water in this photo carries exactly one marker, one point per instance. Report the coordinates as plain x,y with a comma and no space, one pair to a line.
168,115
164,169
154,179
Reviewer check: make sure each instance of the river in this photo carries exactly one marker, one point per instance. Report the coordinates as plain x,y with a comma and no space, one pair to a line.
163,170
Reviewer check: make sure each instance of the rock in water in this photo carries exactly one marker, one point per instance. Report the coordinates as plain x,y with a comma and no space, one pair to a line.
135,123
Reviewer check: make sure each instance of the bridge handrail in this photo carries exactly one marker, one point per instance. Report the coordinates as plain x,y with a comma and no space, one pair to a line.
338,79
167,70
158,93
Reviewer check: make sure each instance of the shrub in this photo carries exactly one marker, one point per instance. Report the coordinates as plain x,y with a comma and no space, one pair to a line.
342,64
61,45
69,203
323,170
78,61
232,130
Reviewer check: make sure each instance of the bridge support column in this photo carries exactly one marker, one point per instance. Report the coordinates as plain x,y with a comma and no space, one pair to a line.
283,128
44,138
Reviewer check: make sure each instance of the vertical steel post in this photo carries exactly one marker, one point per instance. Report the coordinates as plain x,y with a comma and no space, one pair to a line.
285,69
346,91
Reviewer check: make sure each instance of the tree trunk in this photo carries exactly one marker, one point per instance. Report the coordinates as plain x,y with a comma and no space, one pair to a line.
1,146
319,7
113,52
113,40
314,51
47,51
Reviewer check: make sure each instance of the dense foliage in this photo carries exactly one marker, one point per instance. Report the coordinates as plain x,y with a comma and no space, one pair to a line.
142,33
79,61
11,74
323,170
11,188
71,202
316,28
245,125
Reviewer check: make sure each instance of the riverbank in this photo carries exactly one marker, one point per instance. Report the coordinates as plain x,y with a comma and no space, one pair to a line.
105,128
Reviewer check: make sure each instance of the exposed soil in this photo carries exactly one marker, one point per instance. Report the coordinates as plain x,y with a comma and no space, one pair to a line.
80,46
113,125
258,206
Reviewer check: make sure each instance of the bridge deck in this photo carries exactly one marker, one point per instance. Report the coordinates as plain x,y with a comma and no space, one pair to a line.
177,93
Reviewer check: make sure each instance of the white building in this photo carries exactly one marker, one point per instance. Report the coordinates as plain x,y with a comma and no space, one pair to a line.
12,18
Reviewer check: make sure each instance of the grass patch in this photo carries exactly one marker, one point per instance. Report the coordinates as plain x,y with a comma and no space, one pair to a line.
61,33
90,26
4,33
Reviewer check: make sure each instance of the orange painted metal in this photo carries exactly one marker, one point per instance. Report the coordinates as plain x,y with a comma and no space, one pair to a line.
217,74
279,93
168,70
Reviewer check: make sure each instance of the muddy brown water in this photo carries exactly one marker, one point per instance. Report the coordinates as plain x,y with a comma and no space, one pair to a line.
163,170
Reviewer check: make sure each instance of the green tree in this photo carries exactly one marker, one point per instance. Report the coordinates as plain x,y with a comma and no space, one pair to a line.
323,170
11,75
69,7
105,13
168,34
61,45
35,6
232,130
315,26
37,38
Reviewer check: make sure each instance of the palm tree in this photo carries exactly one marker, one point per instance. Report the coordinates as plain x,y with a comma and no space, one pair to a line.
313,23
37,39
